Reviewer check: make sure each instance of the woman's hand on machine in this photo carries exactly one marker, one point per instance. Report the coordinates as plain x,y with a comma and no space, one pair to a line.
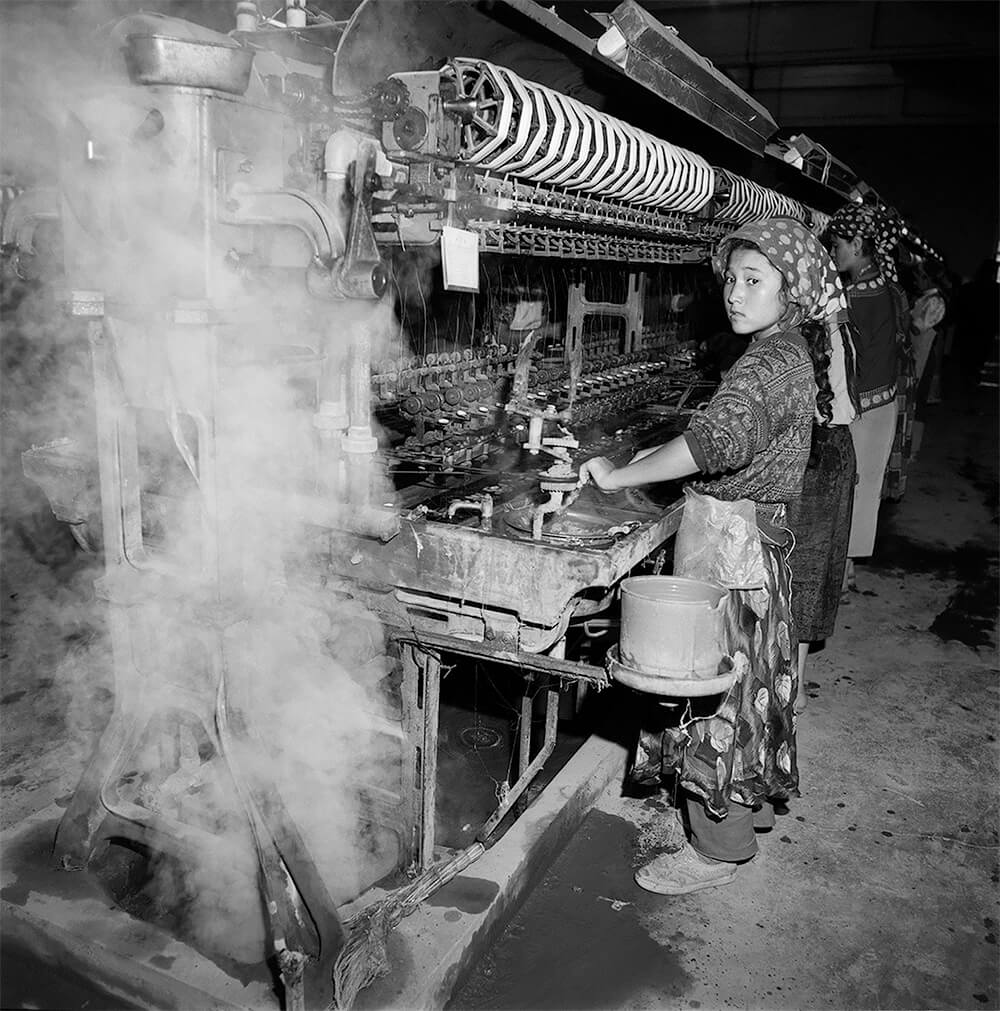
599,469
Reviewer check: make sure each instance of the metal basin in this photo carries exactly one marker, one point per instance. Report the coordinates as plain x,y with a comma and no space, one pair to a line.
592,520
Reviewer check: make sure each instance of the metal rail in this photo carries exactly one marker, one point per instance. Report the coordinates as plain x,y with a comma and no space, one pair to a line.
540,662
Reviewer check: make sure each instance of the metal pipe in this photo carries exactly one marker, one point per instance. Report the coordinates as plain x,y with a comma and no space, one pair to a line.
247,15
482,504
245,206
359,444
295,13
25,212
332,417
369,521
554,504
341,149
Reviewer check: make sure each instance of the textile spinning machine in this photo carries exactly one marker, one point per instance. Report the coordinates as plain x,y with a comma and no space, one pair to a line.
354,323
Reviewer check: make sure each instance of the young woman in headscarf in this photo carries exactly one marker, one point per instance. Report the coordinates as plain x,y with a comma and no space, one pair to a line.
863,237
820,518
751,442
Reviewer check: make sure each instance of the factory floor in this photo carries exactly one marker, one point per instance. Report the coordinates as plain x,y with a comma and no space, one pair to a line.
879,887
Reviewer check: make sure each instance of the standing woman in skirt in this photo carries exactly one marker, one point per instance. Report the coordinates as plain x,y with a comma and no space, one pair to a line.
863,237
820,518
751,442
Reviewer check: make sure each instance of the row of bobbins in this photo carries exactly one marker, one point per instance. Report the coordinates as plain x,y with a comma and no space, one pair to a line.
749,201
532,132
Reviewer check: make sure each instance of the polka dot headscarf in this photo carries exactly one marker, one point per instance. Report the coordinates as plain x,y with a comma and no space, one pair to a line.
812,287
812,284
873,222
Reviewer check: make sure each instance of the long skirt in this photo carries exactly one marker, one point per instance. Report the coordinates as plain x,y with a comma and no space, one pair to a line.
872,434
821,522
741,748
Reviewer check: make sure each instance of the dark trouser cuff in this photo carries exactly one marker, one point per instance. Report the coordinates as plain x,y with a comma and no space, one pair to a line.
730,839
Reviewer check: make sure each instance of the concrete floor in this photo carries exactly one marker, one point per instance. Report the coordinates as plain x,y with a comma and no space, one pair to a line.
879,889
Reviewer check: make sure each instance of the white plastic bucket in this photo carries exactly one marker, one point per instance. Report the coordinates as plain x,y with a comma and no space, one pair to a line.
672,626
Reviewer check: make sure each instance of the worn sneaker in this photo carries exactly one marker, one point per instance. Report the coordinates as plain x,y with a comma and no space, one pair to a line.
682,872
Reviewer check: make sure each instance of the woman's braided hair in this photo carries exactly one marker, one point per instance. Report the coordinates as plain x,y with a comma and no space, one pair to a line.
819,350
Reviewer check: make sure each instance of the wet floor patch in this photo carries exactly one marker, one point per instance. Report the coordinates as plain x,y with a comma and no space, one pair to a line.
969,617
577,941
970,613
30,981
984,482
465,894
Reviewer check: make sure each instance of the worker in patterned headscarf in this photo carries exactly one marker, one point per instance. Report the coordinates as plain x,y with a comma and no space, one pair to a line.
749,446
863,237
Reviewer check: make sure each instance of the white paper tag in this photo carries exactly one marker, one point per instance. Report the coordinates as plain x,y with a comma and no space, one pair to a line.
460,259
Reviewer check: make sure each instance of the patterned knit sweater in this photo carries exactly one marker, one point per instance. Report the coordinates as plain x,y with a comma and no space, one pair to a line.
752,439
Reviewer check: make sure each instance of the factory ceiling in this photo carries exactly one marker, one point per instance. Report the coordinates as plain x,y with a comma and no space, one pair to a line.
808,62
833,63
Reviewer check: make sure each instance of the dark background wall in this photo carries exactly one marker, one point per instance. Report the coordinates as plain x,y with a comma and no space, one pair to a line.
944,178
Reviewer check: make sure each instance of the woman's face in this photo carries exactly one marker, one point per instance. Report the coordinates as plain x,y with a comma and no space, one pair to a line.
752,292
846,254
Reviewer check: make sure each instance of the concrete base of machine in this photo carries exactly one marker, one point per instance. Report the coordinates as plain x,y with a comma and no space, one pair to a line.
65,921
431,950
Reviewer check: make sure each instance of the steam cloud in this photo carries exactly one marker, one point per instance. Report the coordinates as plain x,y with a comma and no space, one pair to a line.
309,662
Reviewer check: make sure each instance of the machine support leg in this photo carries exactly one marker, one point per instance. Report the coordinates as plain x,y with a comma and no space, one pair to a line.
524,744
524,735
430,671
534,767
